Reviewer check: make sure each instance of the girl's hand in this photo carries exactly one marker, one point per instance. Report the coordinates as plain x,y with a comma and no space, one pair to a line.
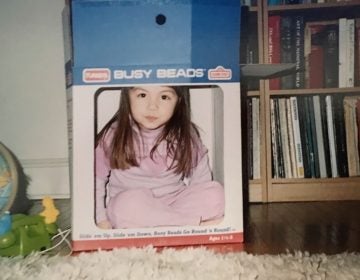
104,224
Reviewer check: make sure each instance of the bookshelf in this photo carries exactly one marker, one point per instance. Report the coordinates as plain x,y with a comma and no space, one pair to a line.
268,186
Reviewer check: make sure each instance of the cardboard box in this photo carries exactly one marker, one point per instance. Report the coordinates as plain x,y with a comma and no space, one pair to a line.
116,44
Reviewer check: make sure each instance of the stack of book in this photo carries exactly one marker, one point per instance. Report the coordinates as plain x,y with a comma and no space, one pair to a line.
315,136
326,53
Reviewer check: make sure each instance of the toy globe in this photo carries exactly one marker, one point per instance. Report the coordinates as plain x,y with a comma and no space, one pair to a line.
9,179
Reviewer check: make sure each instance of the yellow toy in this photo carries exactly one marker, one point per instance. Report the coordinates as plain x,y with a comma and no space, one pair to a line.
50,212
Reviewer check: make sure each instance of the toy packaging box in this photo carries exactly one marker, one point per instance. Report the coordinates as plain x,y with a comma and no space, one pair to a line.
113,44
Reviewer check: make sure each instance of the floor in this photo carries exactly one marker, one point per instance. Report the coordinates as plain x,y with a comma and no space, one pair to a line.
315,227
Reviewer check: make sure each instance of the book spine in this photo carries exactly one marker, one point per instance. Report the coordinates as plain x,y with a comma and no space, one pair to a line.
303,135
280,147
343,47
319,136
299,52
312,138
285,137
331,135
256,137
331,56
350,53
358,122
357,52
351,135
274,47
340,135
274,143
251,50
286,49
291,138
307,51
249,129
316,57
297,137
325,135
356,133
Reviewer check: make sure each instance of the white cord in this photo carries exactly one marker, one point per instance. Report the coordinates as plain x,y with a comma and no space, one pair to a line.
64,234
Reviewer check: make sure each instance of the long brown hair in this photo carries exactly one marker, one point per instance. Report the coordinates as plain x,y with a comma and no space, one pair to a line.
181,136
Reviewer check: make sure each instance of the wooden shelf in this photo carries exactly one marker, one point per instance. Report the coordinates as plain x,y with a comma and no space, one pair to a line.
284,92
316,190
255,191
253,93
337,180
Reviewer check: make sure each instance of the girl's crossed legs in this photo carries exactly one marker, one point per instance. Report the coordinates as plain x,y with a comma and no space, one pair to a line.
192,205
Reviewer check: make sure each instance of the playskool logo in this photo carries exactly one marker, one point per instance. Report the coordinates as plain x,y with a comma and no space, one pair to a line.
96,75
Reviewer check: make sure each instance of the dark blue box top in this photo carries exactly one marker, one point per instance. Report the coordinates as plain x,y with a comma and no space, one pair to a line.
112,33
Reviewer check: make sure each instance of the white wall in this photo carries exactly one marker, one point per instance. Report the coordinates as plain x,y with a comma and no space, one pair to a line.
32,92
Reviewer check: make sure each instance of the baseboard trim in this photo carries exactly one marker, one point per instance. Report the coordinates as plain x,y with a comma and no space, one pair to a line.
44,162
47,177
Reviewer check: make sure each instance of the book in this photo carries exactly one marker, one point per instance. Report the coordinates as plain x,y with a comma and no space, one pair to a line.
340,135
346,52
274,143
319,137
297,137
324,124
342,51
351,129
286,49
331,136
357,52
285,137
358,122
249,139
291,138
256,137
350,53
251,49
304,136
274,47
314,53
280,148
313,147
299,58
331,55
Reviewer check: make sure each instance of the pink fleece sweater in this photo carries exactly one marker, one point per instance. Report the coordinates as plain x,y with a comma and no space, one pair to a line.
151,174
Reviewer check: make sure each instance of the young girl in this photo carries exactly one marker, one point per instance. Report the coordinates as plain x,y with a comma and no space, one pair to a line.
151,161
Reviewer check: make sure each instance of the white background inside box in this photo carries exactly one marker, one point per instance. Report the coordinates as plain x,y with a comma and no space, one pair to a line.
215,110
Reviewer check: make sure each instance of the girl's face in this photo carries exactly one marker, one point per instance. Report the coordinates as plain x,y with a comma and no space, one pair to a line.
152,106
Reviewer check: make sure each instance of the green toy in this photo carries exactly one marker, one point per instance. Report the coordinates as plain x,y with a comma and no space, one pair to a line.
29,233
